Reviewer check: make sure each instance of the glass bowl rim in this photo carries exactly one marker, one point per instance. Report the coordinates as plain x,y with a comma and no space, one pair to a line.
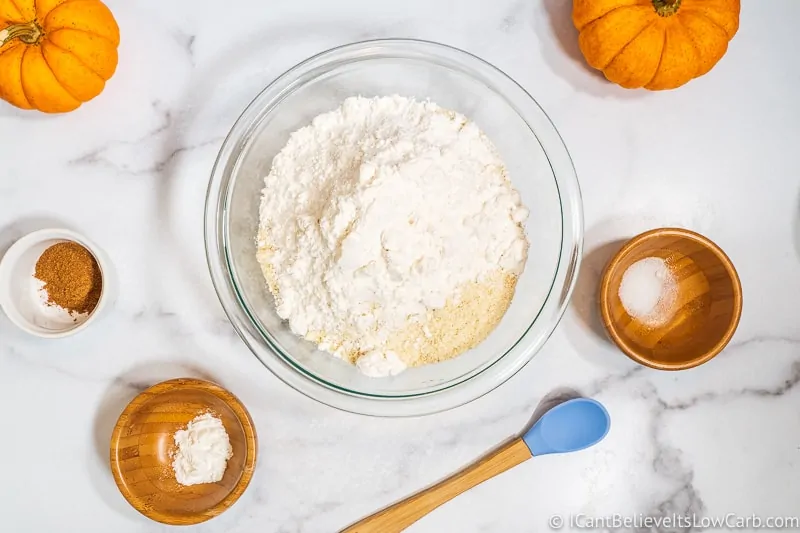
250,329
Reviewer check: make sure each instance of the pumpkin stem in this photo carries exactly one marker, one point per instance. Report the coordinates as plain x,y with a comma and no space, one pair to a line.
28,33
667,8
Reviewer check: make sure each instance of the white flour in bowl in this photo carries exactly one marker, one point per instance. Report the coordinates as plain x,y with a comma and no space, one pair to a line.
390,234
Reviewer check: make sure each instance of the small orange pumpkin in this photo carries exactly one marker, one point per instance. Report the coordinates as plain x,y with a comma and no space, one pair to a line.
55,54
655,44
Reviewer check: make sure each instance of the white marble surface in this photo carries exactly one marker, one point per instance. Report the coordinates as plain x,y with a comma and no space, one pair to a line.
130,170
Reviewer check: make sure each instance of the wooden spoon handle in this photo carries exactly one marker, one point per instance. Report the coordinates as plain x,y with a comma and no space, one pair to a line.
402,514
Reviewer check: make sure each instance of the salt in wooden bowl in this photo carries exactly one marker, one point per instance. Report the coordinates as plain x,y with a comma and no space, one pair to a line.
705,313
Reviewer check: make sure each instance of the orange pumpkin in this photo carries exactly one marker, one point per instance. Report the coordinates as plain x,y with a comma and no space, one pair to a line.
55,54
655,44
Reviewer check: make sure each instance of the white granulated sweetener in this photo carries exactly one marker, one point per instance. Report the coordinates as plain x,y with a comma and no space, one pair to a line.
203,450
390,234
648,291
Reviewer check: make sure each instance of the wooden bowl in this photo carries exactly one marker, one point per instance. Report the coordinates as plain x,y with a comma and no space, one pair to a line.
707,307
142,445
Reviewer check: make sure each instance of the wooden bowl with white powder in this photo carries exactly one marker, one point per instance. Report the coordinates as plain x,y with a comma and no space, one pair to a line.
183,451
671,299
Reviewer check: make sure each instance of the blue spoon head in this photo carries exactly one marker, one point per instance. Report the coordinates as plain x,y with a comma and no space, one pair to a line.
568,427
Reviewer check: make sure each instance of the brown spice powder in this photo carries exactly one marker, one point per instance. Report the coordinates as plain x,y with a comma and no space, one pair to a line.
71,277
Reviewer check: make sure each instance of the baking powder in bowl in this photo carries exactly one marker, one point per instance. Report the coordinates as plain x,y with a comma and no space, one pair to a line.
203,450
390,234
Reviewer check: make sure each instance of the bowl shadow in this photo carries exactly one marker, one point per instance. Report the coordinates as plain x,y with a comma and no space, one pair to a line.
586,332
586,295
117,396
18,229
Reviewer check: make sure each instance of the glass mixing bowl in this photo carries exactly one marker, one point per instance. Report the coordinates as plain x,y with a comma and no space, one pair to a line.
539,167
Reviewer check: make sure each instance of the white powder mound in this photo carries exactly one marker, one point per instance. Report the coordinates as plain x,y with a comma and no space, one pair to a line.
203,450
648,291
377,213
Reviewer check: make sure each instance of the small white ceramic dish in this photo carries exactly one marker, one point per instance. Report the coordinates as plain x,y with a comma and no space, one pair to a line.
20,295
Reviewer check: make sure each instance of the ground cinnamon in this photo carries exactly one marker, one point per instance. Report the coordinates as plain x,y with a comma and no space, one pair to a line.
71,277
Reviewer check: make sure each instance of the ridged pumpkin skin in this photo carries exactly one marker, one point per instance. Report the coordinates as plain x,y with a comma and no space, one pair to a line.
55,54
655,44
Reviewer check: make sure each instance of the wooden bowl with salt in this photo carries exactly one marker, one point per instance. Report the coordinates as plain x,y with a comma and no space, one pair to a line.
143,448
697,313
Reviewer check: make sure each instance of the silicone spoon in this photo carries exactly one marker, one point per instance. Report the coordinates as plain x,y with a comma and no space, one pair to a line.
568,427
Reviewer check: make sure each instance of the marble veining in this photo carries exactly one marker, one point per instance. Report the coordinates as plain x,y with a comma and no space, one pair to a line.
130,171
